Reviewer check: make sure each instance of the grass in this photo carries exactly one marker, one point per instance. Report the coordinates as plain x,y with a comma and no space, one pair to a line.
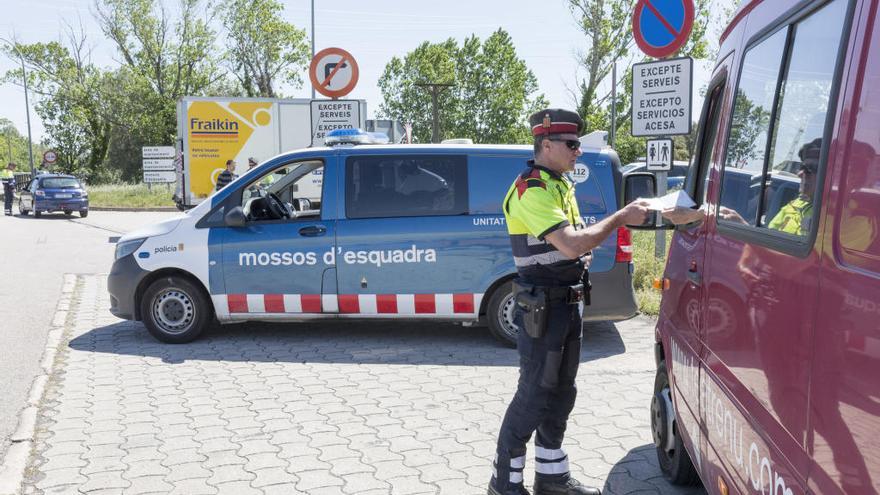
647,268
130,195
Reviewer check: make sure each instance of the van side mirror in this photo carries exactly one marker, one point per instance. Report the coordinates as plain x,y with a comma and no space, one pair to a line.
641,185
235,217
638,185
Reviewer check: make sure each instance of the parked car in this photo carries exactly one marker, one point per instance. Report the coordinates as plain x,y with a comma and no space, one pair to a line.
358,231
768,336
674,177
48,193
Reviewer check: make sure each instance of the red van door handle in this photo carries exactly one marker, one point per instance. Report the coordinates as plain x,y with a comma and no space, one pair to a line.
694,274
313,230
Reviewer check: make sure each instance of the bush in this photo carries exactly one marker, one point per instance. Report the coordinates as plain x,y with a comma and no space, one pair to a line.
647,268
131,195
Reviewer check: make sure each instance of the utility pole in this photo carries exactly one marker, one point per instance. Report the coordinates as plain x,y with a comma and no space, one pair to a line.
9,145
435,89
612,134
27,105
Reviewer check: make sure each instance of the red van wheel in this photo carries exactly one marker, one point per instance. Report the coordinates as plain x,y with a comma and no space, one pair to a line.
675,462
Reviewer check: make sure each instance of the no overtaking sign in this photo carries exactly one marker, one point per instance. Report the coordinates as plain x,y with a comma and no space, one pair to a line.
662,97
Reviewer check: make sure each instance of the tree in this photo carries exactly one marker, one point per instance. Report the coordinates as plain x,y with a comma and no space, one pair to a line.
750,120
68,89
163,59
14,146
262,50
492,95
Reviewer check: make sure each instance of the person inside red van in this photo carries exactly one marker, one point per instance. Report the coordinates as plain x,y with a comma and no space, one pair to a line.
793,218
796,216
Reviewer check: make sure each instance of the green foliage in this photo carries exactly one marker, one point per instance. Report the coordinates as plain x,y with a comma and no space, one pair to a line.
163,59
14,147
491,96
262,49
607,27
130,195
749,121
68,89
647,268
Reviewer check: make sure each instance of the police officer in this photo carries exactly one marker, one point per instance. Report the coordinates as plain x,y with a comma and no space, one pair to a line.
551,250
7,175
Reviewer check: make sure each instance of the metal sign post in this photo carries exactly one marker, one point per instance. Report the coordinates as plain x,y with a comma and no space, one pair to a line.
158,163
658,156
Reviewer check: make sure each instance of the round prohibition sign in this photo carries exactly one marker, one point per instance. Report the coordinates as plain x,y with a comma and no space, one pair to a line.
661,27
333,72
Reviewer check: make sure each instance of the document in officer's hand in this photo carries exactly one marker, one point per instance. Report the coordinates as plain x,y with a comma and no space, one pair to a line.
671,200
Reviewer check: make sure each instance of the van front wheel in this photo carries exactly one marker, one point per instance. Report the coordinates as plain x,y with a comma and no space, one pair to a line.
500,315
175,310
675,462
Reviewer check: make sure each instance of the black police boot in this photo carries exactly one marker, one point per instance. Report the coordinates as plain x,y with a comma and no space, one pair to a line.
570,486
512,489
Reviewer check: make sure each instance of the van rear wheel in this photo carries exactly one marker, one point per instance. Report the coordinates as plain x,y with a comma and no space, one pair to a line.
500,315
675,462
175,310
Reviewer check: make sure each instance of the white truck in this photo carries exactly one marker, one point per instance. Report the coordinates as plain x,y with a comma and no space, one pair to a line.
211,131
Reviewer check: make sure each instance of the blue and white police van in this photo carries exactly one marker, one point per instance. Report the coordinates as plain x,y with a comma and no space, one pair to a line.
358,231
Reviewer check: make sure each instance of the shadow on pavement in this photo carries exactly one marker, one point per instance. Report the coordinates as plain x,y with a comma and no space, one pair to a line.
335,342
639,472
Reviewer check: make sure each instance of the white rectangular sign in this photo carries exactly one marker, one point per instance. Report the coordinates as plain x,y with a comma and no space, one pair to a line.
328,115
158,164
659,154
661,104
160,176
149,152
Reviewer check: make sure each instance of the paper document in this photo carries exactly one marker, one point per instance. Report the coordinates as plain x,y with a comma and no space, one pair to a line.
671,200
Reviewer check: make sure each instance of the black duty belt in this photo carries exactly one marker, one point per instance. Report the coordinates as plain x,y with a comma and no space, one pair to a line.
568,294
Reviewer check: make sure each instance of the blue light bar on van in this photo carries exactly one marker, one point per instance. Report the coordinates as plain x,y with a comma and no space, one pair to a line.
354,136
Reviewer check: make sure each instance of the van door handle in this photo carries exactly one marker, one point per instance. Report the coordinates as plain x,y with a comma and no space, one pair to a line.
313,230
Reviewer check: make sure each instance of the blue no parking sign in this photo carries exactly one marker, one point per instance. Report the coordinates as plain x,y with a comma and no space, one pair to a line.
661,27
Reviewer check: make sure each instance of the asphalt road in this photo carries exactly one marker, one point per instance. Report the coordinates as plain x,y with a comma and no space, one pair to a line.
34,256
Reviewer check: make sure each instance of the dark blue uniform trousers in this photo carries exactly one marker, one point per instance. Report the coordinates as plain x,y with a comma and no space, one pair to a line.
544,398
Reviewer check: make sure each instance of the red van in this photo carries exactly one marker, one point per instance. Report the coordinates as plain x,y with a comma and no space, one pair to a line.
768,339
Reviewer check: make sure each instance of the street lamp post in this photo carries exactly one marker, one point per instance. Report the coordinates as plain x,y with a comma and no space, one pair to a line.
313,41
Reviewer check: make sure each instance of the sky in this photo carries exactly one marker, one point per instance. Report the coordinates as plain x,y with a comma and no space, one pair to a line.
544,34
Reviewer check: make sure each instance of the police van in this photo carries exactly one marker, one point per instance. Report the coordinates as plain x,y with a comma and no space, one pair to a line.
358,230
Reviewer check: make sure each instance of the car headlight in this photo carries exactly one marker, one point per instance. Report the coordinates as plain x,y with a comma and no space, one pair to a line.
125,248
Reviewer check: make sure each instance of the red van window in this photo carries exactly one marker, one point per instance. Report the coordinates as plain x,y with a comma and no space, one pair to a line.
774,185
858,229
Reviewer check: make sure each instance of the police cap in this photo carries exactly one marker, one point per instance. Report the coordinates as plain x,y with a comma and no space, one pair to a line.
809,155
555,121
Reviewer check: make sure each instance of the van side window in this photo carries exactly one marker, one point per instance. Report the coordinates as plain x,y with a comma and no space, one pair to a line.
779,118
405,186
298,185
746,146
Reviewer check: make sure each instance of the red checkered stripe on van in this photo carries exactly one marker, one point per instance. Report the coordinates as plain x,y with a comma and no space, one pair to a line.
368,304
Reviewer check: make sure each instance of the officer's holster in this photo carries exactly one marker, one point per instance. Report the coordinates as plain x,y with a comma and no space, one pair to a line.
535,300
